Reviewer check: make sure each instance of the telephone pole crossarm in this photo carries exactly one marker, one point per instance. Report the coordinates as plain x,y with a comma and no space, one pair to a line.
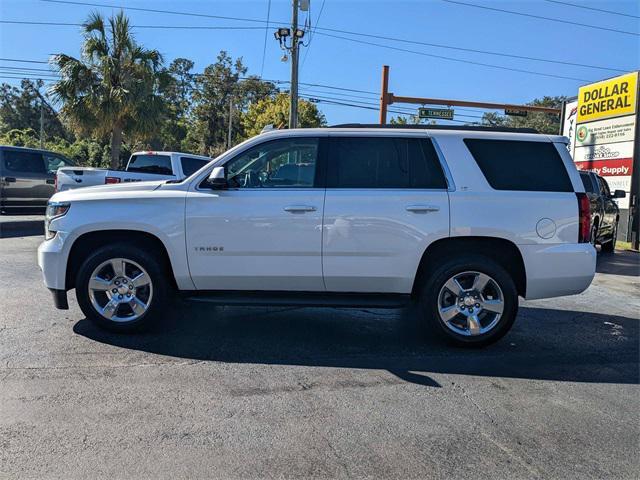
463,103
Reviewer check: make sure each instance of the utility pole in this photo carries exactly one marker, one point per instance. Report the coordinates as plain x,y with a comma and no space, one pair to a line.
293,108
230,123
41,124
384,94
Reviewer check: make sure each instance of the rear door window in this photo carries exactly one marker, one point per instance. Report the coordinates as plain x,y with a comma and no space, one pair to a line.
190,165
150,163
520,165
383,162
16,161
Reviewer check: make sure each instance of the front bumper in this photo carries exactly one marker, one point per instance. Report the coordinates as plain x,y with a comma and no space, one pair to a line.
558,270
52,260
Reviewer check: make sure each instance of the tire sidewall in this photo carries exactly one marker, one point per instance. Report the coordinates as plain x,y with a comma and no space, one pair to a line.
451,267
141,257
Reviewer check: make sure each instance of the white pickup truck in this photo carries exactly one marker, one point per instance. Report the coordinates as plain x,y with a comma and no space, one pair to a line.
462,222
142,166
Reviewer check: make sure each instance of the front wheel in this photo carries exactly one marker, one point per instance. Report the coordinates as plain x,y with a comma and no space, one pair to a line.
121,288
470,301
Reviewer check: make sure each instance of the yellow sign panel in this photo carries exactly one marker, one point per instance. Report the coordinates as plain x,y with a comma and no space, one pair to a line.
609,98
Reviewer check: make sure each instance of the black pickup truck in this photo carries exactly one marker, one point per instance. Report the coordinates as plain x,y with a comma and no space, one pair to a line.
604,210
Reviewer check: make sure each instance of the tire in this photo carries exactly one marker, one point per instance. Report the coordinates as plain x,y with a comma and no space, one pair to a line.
610,245
132,298
594,235
473,325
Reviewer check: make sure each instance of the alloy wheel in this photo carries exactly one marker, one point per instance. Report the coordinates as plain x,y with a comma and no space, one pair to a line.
120,290
470,303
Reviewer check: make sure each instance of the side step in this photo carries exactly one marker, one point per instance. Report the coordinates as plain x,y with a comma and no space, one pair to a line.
302,299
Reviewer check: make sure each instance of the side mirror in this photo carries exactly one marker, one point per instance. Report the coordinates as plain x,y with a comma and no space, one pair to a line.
619,194
217,178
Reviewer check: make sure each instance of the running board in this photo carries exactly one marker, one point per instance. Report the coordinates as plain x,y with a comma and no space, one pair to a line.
301,299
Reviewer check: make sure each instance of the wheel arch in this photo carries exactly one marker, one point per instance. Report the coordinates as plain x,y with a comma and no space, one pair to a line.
90,241
502,251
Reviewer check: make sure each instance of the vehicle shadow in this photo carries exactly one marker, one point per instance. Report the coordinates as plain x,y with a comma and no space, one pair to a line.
621,263
544,344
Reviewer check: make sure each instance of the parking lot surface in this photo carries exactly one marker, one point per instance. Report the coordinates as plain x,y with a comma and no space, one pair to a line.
309,392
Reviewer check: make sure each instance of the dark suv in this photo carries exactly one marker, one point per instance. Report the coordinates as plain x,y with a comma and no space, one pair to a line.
27,176
605,213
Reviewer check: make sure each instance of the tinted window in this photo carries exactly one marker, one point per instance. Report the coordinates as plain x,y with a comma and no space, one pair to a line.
53,162
383,162
514,165
587,182
604,187
191,165
280,163
23,162
160,164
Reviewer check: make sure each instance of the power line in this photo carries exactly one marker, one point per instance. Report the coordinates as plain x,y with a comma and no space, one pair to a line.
382,37
442,57
266,31
178,27
540,17
313,31
472,50
153,10
594,9
22,61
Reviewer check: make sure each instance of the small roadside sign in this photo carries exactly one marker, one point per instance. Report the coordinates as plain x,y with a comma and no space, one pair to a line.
514,112
442,113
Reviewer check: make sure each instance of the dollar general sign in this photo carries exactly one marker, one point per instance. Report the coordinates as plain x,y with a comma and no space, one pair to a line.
609,98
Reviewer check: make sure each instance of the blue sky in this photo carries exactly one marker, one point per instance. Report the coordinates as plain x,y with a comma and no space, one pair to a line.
352,65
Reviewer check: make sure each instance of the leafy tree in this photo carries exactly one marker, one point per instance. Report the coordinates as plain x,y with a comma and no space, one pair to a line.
543,122
112,90
214,90
20,109
176,88
274,110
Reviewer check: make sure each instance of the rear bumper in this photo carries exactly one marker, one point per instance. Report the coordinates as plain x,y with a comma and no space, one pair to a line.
558,270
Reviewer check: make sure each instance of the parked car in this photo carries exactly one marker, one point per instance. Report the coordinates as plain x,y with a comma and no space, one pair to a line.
605,213
460,221
27,176
141,166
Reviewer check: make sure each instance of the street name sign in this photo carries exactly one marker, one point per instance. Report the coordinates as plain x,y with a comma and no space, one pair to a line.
441,113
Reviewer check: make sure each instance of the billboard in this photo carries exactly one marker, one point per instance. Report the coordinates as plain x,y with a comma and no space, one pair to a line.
605,131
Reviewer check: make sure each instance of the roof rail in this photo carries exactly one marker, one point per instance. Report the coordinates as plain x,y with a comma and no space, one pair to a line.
471,128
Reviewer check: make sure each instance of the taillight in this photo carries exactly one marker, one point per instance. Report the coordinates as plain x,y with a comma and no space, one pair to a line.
584,218
109,180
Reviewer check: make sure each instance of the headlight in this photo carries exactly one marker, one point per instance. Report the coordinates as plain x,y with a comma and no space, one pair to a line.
54,210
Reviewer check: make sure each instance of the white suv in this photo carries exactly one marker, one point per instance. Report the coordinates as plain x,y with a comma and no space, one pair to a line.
461,220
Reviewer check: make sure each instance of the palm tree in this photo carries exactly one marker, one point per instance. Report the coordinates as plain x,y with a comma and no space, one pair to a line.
112,90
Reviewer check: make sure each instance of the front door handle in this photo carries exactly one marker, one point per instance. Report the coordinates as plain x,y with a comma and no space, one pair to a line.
10,179
51,181
299,208
422,208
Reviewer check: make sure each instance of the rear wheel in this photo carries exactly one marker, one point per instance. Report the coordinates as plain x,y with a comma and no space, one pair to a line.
610,246
470,301
121,288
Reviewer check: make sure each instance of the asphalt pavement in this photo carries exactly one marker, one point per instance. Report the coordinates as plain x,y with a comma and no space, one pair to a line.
318,393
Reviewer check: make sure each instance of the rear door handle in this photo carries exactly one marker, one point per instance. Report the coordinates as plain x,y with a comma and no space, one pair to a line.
51,181
10,179
422,208
299,208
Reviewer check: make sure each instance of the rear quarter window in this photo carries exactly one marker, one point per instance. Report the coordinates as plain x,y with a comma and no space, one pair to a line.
190,165
520,165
